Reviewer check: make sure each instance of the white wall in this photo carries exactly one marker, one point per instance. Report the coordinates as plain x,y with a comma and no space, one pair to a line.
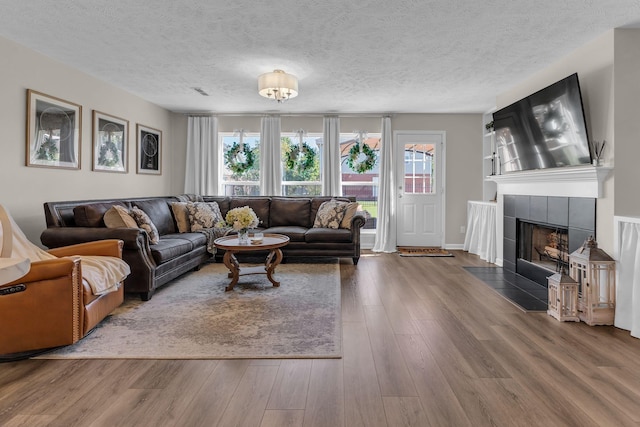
594,63
627,121
23,190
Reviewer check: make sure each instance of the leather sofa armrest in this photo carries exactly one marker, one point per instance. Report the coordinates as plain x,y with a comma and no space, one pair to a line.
44,308
49,270
56,237
110,247
358,220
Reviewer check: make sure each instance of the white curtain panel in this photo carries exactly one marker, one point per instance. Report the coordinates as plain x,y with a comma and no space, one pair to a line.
627,314
386,225
331,161
203,156
270,161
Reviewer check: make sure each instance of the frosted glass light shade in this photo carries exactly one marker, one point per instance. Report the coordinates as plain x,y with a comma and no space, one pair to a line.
278,85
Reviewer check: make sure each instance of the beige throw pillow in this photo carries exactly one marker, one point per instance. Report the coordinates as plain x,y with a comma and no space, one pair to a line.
352,208
181,214
144,222
118,217
330,214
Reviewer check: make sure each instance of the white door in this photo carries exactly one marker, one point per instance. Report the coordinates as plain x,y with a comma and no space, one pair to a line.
420,181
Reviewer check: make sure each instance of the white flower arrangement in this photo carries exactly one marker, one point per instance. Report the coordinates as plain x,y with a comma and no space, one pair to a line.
241,218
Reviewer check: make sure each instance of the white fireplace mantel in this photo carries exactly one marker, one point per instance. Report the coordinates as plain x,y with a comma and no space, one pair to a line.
580,181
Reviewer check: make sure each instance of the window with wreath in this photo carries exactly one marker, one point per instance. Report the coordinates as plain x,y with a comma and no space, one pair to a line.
241,157
360,158
301,173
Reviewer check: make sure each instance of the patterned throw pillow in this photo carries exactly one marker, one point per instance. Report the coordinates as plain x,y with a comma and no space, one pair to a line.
203,215
330,214
144,222
118,217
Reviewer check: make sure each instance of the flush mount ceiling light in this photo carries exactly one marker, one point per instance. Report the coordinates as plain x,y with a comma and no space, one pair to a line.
278,85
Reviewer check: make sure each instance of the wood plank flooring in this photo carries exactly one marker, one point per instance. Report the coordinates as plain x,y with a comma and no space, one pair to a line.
424,344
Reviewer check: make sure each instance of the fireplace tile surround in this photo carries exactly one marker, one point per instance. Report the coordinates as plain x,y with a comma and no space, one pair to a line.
576,214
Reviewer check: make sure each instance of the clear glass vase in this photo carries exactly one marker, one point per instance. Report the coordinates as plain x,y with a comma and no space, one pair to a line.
243,236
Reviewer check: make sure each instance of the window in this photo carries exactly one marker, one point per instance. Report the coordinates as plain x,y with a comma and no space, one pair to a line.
363,186
241,157
301,173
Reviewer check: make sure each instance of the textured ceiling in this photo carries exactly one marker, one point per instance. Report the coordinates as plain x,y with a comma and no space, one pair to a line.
364,56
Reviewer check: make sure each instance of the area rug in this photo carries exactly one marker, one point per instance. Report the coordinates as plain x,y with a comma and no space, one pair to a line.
194,318
420,251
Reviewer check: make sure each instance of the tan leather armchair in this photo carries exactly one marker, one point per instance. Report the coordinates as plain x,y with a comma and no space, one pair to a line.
52,305
44,300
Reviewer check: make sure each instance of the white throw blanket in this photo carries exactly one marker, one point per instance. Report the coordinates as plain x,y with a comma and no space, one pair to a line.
103,273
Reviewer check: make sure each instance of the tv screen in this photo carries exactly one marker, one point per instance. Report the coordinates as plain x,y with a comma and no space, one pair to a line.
544,130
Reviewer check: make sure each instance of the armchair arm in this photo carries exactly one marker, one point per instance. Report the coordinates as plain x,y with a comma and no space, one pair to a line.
44,309
111,247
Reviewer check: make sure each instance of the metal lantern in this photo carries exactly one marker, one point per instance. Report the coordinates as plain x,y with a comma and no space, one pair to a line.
563,298
595,273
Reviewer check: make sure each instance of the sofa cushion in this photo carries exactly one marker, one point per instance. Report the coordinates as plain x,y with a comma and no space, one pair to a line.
295,233
287,211
119,217
329,235
160,214
203,215
196,239
260,206
92,214
144,222
169,248
330,214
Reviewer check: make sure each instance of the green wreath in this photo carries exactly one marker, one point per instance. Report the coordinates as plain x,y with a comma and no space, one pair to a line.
293,161
231,158
48,150
364,165
109,155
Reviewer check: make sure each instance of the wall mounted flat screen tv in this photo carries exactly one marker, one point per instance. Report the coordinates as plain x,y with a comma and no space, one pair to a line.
544,130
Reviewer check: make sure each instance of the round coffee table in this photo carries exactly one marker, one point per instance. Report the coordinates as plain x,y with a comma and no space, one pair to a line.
231,245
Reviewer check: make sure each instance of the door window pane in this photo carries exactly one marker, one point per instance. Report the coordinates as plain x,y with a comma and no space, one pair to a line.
419,168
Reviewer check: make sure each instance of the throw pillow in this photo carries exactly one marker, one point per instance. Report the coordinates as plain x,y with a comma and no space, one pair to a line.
144,222
330,214
203,215
181,214
118,217
352,207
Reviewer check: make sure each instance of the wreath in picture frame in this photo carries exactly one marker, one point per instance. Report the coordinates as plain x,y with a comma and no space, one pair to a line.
109,155
295,162
233,159
358,164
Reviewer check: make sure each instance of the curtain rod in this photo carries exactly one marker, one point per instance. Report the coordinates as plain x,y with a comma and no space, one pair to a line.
289,114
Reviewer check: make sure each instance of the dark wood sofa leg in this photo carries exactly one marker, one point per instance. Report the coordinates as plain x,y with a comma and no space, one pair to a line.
146,296
355,260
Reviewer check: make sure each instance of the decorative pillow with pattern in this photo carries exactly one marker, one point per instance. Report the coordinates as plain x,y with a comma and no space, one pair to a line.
330,214
119,217
144,222
203,215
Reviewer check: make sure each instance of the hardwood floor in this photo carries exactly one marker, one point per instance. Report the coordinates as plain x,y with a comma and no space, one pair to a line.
424,344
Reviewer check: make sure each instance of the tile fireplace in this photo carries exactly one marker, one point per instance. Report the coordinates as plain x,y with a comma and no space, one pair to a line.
541,231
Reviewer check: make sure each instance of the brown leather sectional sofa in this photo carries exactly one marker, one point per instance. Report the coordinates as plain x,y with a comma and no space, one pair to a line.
72,222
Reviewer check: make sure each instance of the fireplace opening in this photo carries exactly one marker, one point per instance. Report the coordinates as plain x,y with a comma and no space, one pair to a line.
542,250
